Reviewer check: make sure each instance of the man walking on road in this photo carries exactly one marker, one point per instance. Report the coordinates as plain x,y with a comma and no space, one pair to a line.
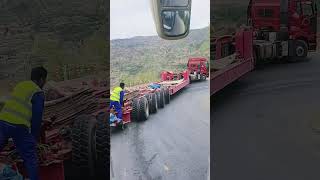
116,100
21,117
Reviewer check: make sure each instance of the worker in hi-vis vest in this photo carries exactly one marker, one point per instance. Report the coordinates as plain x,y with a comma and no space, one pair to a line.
21,117
116,100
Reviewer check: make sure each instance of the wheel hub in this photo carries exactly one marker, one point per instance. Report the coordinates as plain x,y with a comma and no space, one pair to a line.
300,51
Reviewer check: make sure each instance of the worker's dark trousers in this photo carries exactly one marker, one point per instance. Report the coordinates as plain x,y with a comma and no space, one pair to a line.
118,108
25,144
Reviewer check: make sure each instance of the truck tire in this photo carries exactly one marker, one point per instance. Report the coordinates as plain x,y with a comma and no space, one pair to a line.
301,49
143,109
203,77
102,147
83,137
135,110
167,96
154,103
162,100
148,96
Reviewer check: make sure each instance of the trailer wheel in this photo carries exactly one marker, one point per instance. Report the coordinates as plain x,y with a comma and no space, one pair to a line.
162,99
148,96
167,96
158,94
84,145
135,109
154,103
102,147
143,109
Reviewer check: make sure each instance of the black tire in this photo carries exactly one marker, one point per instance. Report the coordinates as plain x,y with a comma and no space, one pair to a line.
167,96
135,110
102,147
84,145
203,77
154,103
162,99
148,96
301,49
143,109
158,98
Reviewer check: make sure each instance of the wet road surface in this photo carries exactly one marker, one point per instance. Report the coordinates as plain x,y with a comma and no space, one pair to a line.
172,144
261,126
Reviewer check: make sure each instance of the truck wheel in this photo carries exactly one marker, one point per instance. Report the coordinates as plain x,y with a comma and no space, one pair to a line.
162,100
83,137
135,110
301,49
167,96
203,77
102,147
154,103
190,80
143,109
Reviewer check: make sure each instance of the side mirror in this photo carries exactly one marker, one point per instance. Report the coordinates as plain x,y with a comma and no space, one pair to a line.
172,18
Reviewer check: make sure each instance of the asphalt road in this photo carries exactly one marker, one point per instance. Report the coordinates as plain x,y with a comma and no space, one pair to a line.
262,125
172,144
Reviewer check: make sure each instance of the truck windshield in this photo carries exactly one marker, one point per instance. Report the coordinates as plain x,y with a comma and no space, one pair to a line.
170,3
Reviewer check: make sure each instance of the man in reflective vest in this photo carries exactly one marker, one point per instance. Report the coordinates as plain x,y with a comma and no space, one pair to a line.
116,100
21,117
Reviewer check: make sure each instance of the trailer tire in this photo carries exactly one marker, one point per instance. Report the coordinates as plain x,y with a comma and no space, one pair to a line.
154,103
102,147
167,96
135,110
148,96
158,98
162,99
143,109
83,137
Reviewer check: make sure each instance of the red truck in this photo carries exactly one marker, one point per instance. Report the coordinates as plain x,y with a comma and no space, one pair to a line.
198,69
277,29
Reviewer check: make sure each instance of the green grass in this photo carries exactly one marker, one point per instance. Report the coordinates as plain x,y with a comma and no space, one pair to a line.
57,55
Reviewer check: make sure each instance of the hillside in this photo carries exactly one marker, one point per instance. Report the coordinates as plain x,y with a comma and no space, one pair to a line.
67,37
141,59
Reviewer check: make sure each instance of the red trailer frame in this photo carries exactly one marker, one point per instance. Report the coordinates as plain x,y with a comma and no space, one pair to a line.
169,76
244,62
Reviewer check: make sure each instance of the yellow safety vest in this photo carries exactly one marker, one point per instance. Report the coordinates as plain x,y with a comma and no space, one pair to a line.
115,95
18,107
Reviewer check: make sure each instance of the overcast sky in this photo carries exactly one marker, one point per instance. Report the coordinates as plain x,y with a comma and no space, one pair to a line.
131,18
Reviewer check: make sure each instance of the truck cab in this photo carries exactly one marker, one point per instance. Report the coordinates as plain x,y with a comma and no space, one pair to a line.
198,69
285,21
